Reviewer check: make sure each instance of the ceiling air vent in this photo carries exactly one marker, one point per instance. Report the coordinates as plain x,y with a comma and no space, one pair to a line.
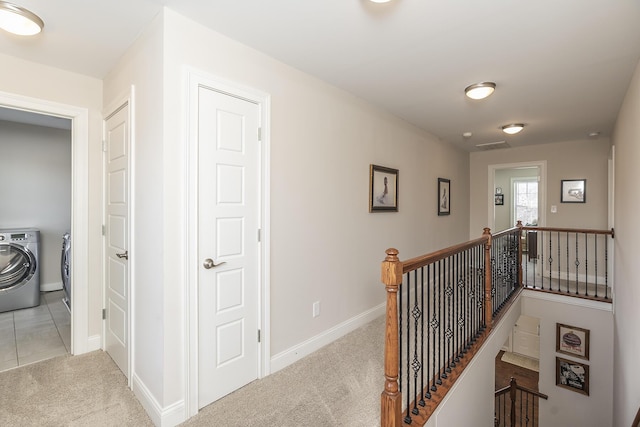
493,145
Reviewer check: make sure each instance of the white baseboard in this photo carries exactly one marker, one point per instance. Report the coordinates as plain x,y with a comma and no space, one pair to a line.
51,286
94,342
170,416
297,352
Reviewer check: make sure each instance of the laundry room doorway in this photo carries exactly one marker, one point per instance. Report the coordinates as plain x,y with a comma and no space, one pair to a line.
79,117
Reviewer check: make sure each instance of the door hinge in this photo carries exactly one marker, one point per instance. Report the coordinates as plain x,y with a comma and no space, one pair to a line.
259,134
103,230
259,335
104,313
104,146
259,235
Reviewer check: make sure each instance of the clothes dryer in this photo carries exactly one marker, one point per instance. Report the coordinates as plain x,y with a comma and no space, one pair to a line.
19,268
65,269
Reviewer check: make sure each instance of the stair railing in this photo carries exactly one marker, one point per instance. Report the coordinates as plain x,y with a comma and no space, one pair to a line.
440,308
522,406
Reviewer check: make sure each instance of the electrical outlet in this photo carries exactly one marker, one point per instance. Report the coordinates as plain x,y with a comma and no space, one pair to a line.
316,309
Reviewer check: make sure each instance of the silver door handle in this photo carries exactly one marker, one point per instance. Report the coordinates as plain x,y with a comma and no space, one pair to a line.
208,263
125,255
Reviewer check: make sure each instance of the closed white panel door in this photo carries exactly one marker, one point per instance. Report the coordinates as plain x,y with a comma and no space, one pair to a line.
117,238
228,247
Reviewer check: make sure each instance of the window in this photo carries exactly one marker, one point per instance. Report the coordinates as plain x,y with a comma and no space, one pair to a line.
525,200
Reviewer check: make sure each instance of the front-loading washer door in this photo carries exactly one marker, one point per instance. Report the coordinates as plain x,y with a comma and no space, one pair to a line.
17,266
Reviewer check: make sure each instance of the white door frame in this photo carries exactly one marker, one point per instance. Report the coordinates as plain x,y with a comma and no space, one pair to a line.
542,189
80,340
195,79
121,102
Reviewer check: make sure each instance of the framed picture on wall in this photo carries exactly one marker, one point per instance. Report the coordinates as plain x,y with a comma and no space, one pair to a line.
572,375
573,191
572,340
444,196
383,189
499,200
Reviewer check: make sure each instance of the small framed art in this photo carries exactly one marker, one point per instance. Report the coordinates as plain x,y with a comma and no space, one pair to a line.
572,340
573,191
499,200
444,196
383,189
572,375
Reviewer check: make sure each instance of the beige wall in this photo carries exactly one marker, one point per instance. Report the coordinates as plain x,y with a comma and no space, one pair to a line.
142,68
565,160
325,245
33,80
626,394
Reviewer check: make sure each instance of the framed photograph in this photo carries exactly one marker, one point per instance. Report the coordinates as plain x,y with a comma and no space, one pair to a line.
383,189
499,199
573,191
444,196
572,341
572,375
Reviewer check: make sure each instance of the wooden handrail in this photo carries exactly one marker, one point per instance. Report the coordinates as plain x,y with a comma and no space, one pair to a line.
568,230
421,261
519,387
636,421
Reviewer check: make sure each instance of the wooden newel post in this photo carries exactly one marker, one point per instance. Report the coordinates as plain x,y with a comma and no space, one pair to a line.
519,225
488,309
512,396
391,398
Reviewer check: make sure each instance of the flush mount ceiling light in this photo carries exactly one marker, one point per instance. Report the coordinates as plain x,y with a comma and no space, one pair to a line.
18,20
513,128
380,1
480,90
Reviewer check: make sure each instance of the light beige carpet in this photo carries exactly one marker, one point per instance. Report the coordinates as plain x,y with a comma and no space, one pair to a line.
86,390
339,385
522,361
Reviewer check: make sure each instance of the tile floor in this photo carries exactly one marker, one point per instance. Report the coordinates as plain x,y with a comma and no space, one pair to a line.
34,334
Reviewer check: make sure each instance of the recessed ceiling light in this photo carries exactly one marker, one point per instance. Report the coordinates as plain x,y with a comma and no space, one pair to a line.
513,128
380,1
594,134
467,135
480,90
18,20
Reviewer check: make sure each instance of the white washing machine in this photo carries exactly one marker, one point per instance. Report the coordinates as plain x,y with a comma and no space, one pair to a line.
19,269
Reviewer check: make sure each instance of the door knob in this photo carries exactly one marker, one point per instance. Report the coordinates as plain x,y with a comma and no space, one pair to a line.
125,255
208,263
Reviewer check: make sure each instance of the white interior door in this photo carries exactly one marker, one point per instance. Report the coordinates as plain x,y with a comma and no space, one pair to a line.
228,244
117,238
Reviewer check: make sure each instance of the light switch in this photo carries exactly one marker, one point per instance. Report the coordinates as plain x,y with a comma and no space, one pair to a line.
554,209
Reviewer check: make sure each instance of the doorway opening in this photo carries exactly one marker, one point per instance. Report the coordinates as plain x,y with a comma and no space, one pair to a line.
80,342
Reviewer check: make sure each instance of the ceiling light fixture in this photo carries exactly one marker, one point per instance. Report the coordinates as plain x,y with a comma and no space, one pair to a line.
513,128
380,1
480,90
18,20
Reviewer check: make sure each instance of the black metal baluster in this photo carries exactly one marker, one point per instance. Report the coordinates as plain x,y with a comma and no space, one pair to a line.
567,262
559,262
400,332
407,418
422,307
606,267
449,331
577,263
444,365
595,250
427,317
434,326
542,258
586,261
415,364
440,321
550,264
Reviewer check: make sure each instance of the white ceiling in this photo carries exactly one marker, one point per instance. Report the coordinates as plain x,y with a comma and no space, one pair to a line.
562,67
